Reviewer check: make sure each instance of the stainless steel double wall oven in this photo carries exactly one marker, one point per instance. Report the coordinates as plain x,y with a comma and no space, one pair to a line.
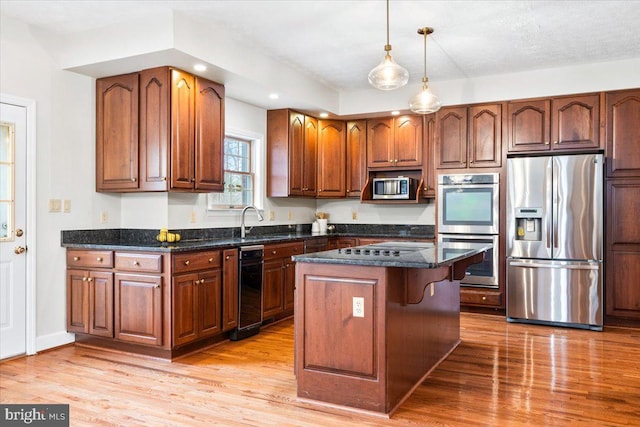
468,211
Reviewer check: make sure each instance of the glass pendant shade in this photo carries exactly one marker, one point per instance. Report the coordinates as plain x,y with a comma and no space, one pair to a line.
388,75
425,102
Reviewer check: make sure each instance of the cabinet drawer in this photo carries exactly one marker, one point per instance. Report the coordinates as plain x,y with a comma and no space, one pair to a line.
89,259
194,261
148,263
284,250
474,297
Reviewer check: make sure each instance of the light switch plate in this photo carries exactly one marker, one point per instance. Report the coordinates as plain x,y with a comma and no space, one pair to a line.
66,205
55,205
358,306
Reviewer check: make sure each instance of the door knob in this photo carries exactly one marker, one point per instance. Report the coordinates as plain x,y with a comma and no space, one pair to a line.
19,232
19,250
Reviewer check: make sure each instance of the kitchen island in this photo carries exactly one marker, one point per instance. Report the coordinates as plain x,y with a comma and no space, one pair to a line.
373,321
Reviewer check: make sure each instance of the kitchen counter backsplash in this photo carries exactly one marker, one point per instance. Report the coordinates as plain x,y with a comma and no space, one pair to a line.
146,238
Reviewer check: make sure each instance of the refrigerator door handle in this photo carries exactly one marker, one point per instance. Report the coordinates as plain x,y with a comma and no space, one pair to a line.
594,266
555,202
549,180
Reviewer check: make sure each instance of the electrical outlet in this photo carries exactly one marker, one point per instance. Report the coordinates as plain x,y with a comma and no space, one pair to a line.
358,306
66,205
289,216
55,205
354,215
104,217
193,217
272,215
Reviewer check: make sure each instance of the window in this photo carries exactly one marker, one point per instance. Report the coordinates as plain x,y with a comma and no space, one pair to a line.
239,175
7,144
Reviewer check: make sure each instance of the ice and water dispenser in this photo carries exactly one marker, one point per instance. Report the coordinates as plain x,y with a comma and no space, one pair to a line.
528,224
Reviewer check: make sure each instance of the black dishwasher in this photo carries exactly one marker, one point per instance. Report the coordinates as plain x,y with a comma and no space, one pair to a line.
250,295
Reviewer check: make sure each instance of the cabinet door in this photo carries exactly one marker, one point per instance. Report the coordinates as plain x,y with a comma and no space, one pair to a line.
623,248
485,136
230,289
331,158
296,153
272,288
451,137
184,300
310,159
182,130
209,307
101,304
623,133
576,122
380,143
117,133
78,301
528,124
289,278
407,145
429,156
356,147
155,89
138,308
209,134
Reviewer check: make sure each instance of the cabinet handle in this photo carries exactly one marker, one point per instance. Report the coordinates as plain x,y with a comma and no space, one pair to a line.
484,298
197,282
99,259
84,279
210,259
76,258
156,286
187,262
89,279
396,161
164,178
390,160
555,142
274,252
136,262
193,180
134,179
546,143
227,257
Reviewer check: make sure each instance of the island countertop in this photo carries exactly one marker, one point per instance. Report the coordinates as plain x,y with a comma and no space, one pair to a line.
398,254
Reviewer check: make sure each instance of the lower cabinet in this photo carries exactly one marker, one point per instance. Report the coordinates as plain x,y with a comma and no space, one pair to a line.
90,302
278,287
138,308
230,287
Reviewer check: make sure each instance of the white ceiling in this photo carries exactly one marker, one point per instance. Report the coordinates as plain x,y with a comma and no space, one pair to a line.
337,42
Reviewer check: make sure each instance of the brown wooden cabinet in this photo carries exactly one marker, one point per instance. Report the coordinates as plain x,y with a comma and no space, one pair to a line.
90,292
623,133
196,296
291,155
394,142
356,157
623,248
560,123
230,289
117,101
469,137
138,308
331,158
279,279
157,130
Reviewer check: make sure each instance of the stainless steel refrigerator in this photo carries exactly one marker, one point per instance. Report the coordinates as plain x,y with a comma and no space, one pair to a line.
555,240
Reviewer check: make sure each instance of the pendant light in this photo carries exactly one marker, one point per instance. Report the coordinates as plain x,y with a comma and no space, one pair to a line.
388,75
425,102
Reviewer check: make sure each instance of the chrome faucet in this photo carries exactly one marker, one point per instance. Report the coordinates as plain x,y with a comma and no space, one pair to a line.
243,231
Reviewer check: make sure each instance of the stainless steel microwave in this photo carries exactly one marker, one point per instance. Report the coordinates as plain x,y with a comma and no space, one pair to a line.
401,187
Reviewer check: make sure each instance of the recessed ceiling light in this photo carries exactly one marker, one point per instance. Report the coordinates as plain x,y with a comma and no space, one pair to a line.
324,115
274,96
200,67
395,113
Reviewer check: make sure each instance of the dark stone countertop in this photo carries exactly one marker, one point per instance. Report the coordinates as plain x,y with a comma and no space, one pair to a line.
411,254
219,238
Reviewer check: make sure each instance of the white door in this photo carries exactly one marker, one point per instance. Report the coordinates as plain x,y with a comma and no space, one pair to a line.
13,306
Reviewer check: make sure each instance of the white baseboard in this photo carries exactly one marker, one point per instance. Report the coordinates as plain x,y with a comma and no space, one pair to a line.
58,339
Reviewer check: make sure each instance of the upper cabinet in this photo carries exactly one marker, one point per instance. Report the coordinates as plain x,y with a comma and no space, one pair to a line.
292,154
561,123
331,158
623,133
157,130
356,157
469,137
394,142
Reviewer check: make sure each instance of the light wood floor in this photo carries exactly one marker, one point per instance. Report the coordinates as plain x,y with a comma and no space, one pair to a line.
501,375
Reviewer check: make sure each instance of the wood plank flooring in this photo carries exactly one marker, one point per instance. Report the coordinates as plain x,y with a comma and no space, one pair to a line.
502,374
